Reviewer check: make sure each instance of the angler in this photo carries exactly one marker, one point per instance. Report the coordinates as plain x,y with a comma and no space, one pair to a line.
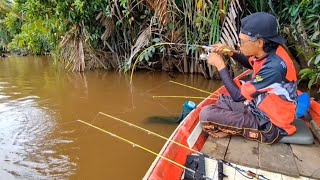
263,108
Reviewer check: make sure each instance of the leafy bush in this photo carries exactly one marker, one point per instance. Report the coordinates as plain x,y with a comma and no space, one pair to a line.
313,74
33,38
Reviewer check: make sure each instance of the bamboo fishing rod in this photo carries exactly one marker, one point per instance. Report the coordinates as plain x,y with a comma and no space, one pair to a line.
155,134
249,173
143,148
174,82
184,97
204,57
207,48
190,87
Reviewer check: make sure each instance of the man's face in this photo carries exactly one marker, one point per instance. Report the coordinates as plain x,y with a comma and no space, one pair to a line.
247,46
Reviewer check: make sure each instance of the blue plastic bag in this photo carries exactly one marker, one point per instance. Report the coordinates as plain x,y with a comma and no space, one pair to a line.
303,105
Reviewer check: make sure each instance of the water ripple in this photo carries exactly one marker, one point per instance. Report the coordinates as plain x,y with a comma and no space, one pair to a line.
26,149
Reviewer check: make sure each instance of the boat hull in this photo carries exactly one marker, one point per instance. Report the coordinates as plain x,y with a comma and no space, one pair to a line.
163,169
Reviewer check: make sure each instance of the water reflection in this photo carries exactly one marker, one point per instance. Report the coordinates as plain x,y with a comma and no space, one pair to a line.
27,126
39,106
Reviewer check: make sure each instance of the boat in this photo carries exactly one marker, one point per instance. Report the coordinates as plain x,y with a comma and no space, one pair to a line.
189,133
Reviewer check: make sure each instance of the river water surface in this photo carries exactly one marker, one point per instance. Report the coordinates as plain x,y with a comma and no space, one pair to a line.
40,103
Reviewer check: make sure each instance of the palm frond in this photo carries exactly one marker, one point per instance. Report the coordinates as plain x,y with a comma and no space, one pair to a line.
109,25
142,41
161,10
229,34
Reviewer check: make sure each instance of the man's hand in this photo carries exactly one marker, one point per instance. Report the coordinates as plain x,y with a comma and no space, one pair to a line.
216,60
222,49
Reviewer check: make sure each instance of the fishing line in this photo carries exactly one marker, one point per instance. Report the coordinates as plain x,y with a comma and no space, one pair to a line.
249,174
181,56
184,97
194,45
174,82
143,148
61,124
191,87
165,107
156,87
91,123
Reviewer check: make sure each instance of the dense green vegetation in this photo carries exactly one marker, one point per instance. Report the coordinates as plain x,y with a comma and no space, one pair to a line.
129,34
4,33
109,34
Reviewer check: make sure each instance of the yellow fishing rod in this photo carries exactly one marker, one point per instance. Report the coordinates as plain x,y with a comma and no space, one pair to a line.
174,82
153,133
183,97
194,88
144,148
248,175
207,48
184,85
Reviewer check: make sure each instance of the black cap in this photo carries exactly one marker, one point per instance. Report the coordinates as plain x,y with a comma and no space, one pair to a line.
261,25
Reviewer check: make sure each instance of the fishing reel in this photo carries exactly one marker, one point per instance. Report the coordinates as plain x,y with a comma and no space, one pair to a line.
205,56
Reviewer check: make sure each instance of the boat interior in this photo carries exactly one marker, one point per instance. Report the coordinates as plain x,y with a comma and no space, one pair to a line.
294,156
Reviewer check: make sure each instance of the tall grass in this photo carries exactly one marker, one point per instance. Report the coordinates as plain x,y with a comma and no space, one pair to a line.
189,23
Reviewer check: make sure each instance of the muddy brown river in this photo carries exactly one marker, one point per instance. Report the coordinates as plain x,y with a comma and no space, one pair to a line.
40,103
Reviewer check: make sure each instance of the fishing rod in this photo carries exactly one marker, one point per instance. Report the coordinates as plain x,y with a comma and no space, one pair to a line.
241,171
202,56
191,97
191,87
184,85
145,149
184,97
207,48
174,82
249,174
153,133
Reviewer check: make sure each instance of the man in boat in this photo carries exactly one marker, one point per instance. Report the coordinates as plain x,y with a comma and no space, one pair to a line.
262,108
